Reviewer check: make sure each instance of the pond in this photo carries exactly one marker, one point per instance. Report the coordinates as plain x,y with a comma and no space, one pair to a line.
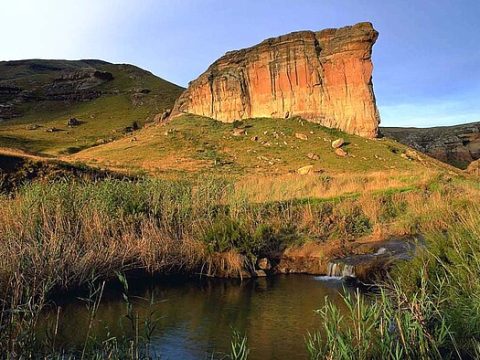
196,318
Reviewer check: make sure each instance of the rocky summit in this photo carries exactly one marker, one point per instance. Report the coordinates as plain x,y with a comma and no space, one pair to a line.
324,77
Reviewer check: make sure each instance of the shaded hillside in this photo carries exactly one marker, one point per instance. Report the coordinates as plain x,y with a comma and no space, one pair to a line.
39,97
457,145
18,168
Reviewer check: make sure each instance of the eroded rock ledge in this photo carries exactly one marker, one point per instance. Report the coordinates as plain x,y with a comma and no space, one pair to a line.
324,77
457,145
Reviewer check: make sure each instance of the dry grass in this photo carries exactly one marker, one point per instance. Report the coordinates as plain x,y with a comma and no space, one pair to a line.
324,186
63,235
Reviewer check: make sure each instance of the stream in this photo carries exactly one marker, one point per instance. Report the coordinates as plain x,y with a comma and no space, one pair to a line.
196,318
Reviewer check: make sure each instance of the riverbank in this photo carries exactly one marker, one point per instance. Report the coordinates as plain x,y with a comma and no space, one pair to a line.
64,235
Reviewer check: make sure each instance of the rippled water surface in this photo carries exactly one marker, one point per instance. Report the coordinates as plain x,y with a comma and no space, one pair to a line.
196,318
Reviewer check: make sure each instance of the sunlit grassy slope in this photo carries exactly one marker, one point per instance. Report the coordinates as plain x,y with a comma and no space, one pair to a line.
133,95
193,144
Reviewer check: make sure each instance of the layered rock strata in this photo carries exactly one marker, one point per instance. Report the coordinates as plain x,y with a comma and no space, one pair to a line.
457,145
324,77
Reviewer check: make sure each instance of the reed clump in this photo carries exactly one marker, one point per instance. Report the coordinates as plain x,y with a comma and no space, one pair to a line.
428,309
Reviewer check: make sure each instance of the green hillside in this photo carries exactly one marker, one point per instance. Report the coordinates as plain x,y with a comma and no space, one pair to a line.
38,97
194,144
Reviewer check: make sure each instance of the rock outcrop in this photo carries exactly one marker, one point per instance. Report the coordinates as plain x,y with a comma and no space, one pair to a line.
457,145
33,81
324,77
474,168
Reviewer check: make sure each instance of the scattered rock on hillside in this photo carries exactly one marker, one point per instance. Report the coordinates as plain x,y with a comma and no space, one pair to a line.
52,129
313,156
301,136
254,138
132,128
165,115
73,122
169,132
340,152
33,127
305,170
338,143
238,132
474,168
410,154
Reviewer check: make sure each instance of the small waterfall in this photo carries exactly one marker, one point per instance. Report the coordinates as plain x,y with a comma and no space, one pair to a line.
338,269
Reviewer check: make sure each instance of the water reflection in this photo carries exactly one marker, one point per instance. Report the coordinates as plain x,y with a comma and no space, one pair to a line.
196,318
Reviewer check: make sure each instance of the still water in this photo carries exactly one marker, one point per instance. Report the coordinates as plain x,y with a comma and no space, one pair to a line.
196,318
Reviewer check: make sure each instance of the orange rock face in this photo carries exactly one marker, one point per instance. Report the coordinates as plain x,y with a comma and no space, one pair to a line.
324,77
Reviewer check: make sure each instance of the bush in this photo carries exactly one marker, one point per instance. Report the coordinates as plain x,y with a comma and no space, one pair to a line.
351,223
227,234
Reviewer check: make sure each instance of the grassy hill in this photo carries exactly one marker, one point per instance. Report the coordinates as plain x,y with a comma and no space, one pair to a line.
194,144
38,96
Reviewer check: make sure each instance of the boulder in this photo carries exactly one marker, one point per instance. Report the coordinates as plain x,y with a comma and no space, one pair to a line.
338,143
72,122
305,170
322,76
238,132
412,155
165,115
474,168
301,136
313,156
340,152
264,264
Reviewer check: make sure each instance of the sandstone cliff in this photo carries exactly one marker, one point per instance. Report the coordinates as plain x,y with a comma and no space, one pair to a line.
457,145
324,77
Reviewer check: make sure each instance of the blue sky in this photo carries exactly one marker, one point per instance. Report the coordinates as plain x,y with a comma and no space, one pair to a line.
427,58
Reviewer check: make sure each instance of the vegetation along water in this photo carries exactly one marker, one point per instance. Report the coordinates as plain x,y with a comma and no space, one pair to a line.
73,236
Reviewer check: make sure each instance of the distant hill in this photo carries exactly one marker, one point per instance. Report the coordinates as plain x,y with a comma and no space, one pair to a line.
457,145
39,97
